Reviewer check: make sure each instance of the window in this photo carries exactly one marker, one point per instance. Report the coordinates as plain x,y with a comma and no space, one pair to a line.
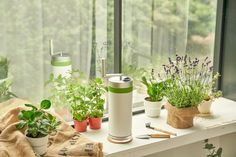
81,28
154,30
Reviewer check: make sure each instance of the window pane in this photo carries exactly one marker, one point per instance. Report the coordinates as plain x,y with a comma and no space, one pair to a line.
78,27
154,30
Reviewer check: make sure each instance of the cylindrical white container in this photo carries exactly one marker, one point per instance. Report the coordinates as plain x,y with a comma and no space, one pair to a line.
120,109
61,65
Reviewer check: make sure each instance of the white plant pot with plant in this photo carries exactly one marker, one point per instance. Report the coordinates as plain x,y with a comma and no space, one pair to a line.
38,124
205,106
155,91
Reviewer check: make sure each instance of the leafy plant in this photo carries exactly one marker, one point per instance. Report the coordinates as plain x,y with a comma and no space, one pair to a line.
38,122
212,150
187,80
4,63
155,89
84,98
95,96
5,93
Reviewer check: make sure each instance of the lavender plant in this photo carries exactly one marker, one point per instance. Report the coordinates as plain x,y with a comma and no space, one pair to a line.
188,80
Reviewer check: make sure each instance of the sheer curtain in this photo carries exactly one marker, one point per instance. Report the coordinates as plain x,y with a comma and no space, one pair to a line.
153,30
27,26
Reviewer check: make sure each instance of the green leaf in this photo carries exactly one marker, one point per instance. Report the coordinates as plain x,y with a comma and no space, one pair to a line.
45,104
28,115
32,106
21,125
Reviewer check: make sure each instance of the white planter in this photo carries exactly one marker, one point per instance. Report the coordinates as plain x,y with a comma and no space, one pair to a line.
205,107
39,145
152,109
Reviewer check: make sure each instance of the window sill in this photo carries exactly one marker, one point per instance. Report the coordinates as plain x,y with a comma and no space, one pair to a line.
223,122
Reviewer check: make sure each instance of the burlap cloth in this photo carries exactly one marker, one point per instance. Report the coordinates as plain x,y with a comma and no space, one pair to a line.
180,118
66,142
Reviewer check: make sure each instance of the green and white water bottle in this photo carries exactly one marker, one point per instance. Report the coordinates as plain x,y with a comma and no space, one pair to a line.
120,89
61,64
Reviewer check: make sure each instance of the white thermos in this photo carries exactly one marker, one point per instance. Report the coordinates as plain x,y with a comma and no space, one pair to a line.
61,65
120,109
60,62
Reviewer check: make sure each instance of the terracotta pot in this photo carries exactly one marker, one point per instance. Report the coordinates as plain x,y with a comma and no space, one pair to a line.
95,123
205,107
152,109
39,145
80,126
180,118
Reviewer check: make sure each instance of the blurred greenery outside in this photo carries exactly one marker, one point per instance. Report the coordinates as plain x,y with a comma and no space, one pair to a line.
152,31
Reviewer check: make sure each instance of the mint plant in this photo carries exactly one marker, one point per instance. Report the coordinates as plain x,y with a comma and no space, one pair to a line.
38,122
96,98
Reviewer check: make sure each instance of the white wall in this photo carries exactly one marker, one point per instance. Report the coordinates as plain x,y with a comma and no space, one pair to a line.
227,142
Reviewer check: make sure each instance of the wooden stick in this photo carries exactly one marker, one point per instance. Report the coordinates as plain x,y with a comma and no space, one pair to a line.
159,135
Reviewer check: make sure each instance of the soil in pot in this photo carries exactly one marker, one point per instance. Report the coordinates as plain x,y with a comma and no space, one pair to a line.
95,123
152,109
39,145
80,126
180,118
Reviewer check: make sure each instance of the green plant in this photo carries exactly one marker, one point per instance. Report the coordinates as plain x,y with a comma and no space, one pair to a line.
187,80
38,123
155,89
84,98
4,63
210,90
212,151
95,96
5,93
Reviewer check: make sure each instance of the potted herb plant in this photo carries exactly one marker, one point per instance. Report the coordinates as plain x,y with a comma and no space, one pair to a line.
76,95
79,112
211,93
39,124
155,91
97,100
184,89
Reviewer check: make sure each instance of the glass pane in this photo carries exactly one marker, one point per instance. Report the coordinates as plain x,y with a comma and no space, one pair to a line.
81,28
154,30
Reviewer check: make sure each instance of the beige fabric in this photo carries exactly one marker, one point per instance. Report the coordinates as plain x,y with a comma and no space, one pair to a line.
180,117
66,142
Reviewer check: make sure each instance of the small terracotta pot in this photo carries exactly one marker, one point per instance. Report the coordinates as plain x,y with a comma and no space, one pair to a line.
80,126
152,109
205,107
95,123
180,118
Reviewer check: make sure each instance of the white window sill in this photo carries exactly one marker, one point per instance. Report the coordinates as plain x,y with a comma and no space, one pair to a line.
223,122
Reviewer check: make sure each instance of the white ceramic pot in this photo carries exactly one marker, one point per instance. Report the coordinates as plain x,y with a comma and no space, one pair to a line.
205,107
39,145
152,109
